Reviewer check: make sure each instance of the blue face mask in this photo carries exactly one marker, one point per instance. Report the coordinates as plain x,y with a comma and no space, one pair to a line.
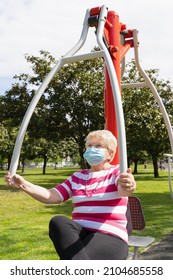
94,156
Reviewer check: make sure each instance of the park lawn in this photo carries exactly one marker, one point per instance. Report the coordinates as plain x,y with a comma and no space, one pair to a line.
24,221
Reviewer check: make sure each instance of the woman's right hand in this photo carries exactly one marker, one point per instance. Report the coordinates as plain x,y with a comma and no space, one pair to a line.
16,181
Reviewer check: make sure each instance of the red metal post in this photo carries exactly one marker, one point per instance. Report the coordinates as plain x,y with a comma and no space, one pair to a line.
112,34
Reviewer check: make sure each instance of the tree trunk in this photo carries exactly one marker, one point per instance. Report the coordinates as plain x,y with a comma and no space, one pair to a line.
9,161
128,162
155,165
82,162
44,164
135,171
23,165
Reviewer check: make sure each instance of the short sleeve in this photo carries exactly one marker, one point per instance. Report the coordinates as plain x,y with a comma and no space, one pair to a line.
65,189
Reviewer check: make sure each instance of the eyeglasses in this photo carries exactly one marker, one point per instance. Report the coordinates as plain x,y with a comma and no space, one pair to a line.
96,145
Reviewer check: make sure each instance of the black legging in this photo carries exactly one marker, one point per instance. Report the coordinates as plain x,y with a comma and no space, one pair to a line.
73,242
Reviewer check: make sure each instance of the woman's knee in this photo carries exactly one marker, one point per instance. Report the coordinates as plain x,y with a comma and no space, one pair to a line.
56,224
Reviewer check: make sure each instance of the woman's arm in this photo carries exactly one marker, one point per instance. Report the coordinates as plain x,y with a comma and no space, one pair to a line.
48,196
126,183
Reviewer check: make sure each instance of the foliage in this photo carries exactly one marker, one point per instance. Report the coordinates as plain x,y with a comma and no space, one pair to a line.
145,126
71,106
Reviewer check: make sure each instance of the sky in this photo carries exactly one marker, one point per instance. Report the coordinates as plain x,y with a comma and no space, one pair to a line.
28,26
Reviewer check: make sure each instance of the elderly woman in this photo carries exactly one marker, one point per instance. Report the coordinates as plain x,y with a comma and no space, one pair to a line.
99,195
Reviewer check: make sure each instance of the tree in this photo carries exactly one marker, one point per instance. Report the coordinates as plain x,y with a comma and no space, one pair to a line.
68,148
83,95
145,125
71,106
15,103
13,106
3,142
7,140
73,102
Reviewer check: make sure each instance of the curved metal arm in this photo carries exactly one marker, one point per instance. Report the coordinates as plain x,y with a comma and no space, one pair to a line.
149,83
116,93
33,104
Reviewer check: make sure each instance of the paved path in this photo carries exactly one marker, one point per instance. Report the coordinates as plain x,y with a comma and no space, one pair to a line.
160,251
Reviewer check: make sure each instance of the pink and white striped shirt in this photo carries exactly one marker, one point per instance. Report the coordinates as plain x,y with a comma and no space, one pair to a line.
97,203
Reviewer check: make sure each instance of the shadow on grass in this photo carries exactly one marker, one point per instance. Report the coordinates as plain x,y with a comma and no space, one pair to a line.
149,177
59,172
9,189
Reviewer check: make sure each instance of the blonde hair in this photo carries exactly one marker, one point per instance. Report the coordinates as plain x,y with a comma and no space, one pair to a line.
107,136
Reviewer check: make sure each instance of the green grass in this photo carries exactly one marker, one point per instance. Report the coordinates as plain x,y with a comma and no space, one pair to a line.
24,221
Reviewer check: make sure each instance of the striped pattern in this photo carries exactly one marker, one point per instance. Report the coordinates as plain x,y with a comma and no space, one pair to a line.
96,201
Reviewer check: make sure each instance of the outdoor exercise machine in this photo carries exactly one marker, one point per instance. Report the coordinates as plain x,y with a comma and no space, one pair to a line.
114,41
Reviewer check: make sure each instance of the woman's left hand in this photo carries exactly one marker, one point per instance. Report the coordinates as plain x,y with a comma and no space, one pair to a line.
126,181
